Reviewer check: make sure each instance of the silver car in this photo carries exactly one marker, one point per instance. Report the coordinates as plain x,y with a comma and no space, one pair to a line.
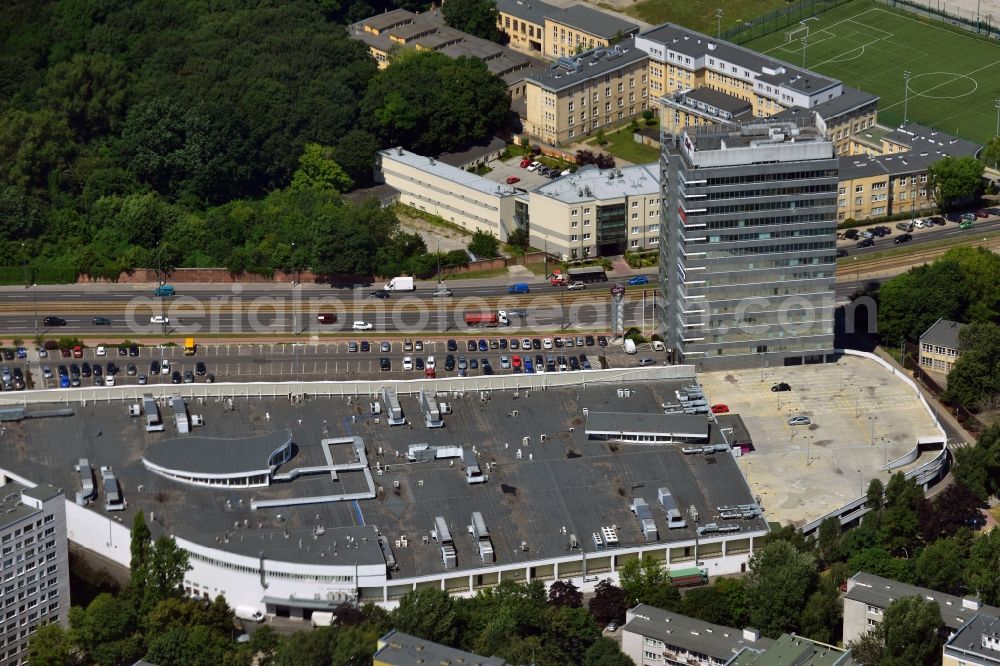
799,421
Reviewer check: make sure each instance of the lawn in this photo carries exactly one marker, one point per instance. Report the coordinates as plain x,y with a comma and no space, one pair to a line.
955,75
621,144
700,14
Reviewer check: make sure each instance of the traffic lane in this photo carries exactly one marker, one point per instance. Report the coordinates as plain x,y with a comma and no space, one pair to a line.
920,236
402,320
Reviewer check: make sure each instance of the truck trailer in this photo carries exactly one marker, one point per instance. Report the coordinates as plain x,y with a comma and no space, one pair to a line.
486,319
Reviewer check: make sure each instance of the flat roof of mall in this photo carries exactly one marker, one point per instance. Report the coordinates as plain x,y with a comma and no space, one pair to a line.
591,183
217,455
553,489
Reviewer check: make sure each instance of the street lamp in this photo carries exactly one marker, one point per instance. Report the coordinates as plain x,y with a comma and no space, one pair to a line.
873,418
34,294
998,125
294,281
718,20
906,95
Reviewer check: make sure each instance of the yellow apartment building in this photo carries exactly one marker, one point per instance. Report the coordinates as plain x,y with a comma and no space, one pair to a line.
541,29
579,95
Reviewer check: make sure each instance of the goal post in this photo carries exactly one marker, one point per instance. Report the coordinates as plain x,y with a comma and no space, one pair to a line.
796,33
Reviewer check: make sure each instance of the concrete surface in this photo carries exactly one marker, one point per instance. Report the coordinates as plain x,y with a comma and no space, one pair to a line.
803,472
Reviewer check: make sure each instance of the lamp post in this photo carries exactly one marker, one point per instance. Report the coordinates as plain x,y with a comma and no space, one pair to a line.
27,285
873,418
998,124
718,21
906,95
294,281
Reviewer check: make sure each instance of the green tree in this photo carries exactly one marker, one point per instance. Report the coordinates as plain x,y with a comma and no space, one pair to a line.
519,238
164,573
484,245
565,593
955,180
828,540
605,652
974,381
734,590
427,613
779,584
978,467
868,649
608,602
476,17
982,567
355,152
198,645
641,579
940,566
942,295
822,614
911,627
317,169
106,630
32,146
706,603
50,646
140,546
991,153
879,561
900,525
875,495
92,90
572,631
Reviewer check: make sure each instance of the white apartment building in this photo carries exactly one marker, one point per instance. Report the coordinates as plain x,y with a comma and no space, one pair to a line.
35,565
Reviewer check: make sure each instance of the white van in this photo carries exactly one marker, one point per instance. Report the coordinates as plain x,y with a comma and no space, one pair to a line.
629,346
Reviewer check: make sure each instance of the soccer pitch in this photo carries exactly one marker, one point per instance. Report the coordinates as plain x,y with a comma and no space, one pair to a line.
954,80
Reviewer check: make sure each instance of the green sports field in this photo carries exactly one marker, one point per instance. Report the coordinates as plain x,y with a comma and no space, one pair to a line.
954,75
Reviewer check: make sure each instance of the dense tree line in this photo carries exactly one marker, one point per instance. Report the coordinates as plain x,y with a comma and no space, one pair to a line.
198,134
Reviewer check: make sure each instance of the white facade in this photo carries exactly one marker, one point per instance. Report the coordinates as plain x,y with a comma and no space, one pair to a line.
35,565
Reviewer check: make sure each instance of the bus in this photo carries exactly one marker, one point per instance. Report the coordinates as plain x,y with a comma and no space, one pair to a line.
587,274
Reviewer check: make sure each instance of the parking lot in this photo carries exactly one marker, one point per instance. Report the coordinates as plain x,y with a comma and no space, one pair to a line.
343,360
927,232
528,180
860,417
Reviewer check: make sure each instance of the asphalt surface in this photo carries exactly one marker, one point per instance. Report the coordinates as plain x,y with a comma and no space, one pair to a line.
937,233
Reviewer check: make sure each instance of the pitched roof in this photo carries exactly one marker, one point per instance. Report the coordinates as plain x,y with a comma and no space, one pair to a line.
401,649
687,633
943,333
881,592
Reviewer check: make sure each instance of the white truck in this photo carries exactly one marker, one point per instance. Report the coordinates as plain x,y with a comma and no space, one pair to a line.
629,346
322,619
402,283
248,613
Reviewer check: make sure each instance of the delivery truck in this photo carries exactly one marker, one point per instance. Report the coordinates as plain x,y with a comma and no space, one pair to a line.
248,613
402,283
486,319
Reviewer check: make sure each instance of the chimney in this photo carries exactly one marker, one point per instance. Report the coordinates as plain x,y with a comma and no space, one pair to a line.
751,634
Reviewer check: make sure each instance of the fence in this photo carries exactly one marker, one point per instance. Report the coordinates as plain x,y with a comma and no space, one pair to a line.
952,14
778,19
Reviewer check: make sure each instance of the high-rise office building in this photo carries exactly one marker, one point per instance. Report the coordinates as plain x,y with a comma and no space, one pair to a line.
748,244
35,565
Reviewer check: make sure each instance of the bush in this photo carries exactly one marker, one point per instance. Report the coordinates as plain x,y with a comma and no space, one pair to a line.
642,259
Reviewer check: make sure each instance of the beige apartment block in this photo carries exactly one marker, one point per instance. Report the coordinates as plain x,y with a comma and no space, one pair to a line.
470,201
939,346
596,212
579,95
541,29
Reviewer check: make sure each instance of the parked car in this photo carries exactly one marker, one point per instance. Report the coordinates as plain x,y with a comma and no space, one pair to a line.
525,163
799,421
534,166
385,347
513,179
781,386
851,234
720,409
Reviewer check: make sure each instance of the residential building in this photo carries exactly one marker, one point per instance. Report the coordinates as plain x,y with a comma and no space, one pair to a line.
682,59
791,650
538,28
747,244
975,643
35,565
470,201
578,95
869,595
890,176
399,649
594,212
400,28
655,636
939,346
475,156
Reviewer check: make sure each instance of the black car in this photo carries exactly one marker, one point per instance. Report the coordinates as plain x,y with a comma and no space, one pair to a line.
449,363
85,370
953,217
843,253
558,342
112,368
589,340
74,371
536,343
384,364
122,350
781,386
154,368
200,369
188,377
602,341
8,354
131,370
365,346
452,345
851,234
98,370
487,369
175,377
471,345
53,321
936,220
210,379
503,343
133,350
381,293
473,364
902,239
866,242
418,363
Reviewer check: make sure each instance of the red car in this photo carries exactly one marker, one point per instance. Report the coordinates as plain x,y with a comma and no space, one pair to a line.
513,179
525,162
720,409
982,213
516,361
